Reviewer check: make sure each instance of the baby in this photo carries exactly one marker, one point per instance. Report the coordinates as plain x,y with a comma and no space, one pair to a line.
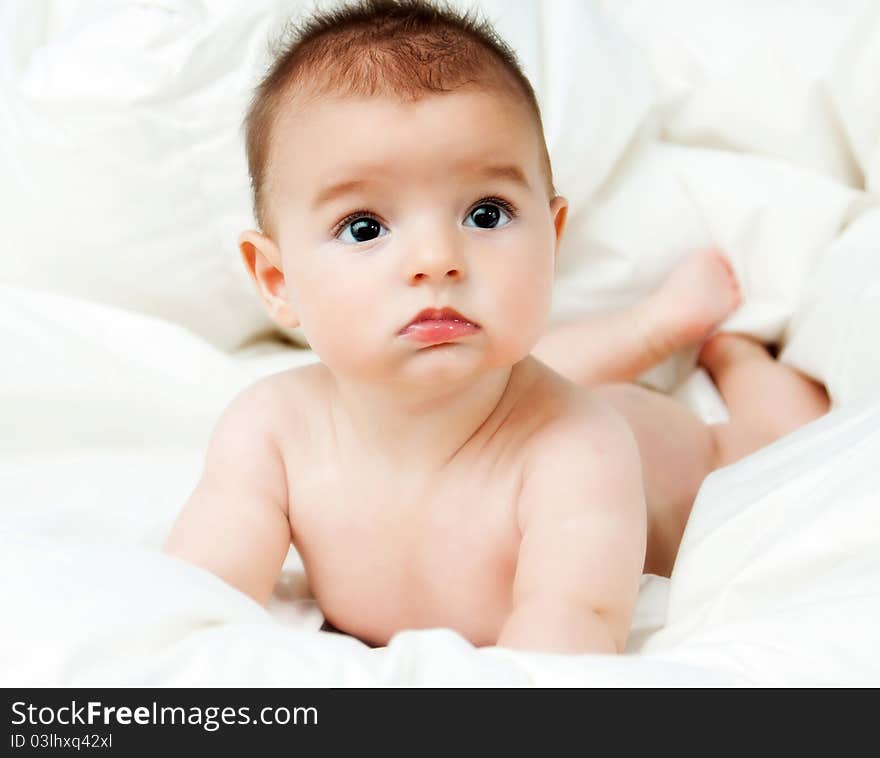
447,464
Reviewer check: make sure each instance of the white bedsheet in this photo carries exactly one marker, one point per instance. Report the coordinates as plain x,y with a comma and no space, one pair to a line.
105,415
123,308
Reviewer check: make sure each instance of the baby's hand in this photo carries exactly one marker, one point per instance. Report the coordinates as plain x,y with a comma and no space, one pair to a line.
582,516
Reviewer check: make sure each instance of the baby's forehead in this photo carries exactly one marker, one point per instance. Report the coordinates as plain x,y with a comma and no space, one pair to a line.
386,170
321,127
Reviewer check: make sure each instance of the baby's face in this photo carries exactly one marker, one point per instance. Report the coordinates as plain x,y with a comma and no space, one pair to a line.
383,209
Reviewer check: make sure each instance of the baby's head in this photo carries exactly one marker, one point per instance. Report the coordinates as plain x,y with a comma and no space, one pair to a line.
398,164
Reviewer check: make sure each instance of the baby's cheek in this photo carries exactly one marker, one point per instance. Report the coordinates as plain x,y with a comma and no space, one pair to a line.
334,332
346,333
525,298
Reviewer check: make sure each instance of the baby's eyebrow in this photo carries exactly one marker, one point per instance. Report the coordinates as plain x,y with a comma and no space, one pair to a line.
339,189
508,172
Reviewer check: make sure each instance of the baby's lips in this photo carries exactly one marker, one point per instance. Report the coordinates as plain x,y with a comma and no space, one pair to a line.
442,315
435,331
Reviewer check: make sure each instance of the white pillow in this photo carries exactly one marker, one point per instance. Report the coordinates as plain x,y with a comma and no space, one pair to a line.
836,329
125,180
762,137
775,223
755,77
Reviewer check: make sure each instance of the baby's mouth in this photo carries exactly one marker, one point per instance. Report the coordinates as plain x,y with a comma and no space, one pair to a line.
436,325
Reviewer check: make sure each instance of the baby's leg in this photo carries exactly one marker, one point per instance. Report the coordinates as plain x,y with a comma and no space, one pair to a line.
765,398
619,346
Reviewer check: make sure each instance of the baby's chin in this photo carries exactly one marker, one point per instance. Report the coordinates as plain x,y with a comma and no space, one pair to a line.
445,363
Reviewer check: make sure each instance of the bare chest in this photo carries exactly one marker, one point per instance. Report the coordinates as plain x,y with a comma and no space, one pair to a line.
383,555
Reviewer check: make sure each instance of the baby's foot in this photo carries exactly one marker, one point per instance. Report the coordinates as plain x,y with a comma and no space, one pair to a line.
693,300
780,397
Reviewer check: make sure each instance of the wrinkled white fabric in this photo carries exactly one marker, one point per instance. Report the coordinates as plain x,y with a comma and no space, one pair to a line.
123,308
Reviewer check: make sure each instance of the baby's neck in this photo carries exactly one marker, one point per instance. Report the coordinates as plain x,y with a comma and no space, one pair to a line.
423,427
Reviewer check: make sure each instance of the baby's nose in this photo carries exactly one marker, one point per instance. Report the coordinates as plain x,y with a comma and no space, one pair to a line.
438,260
452,273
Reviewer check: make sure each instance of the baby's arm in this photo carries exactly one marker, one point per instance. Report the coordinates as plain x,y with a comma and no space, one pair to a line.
582,516
235,522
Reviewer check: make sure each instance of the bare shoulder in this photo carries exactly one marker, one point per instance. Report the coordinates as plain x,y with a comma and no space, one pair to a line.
276,402
236,522
250,440
580,441
300,416
258,423
582,516
567,412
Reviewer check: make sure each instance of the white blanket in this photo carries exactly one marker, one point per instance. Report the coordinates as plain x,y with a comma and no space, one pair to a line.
105,416
124,309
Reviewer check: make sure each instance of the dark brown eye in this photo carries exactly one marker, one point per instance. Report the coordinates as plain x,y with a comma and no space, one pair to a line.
359,228
486,216
365,229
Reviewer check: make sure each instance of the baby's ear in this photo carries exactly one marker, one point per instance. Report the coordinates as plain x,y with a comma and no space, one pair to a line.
559,214
262,259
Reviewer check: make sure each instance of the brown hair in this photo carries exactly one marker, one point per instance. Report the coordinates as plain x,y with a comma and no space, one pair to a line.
403,47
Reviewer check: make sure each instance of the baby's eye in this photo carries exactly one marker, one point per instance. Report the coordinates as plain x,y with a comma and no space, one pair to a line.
362,228
487,214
